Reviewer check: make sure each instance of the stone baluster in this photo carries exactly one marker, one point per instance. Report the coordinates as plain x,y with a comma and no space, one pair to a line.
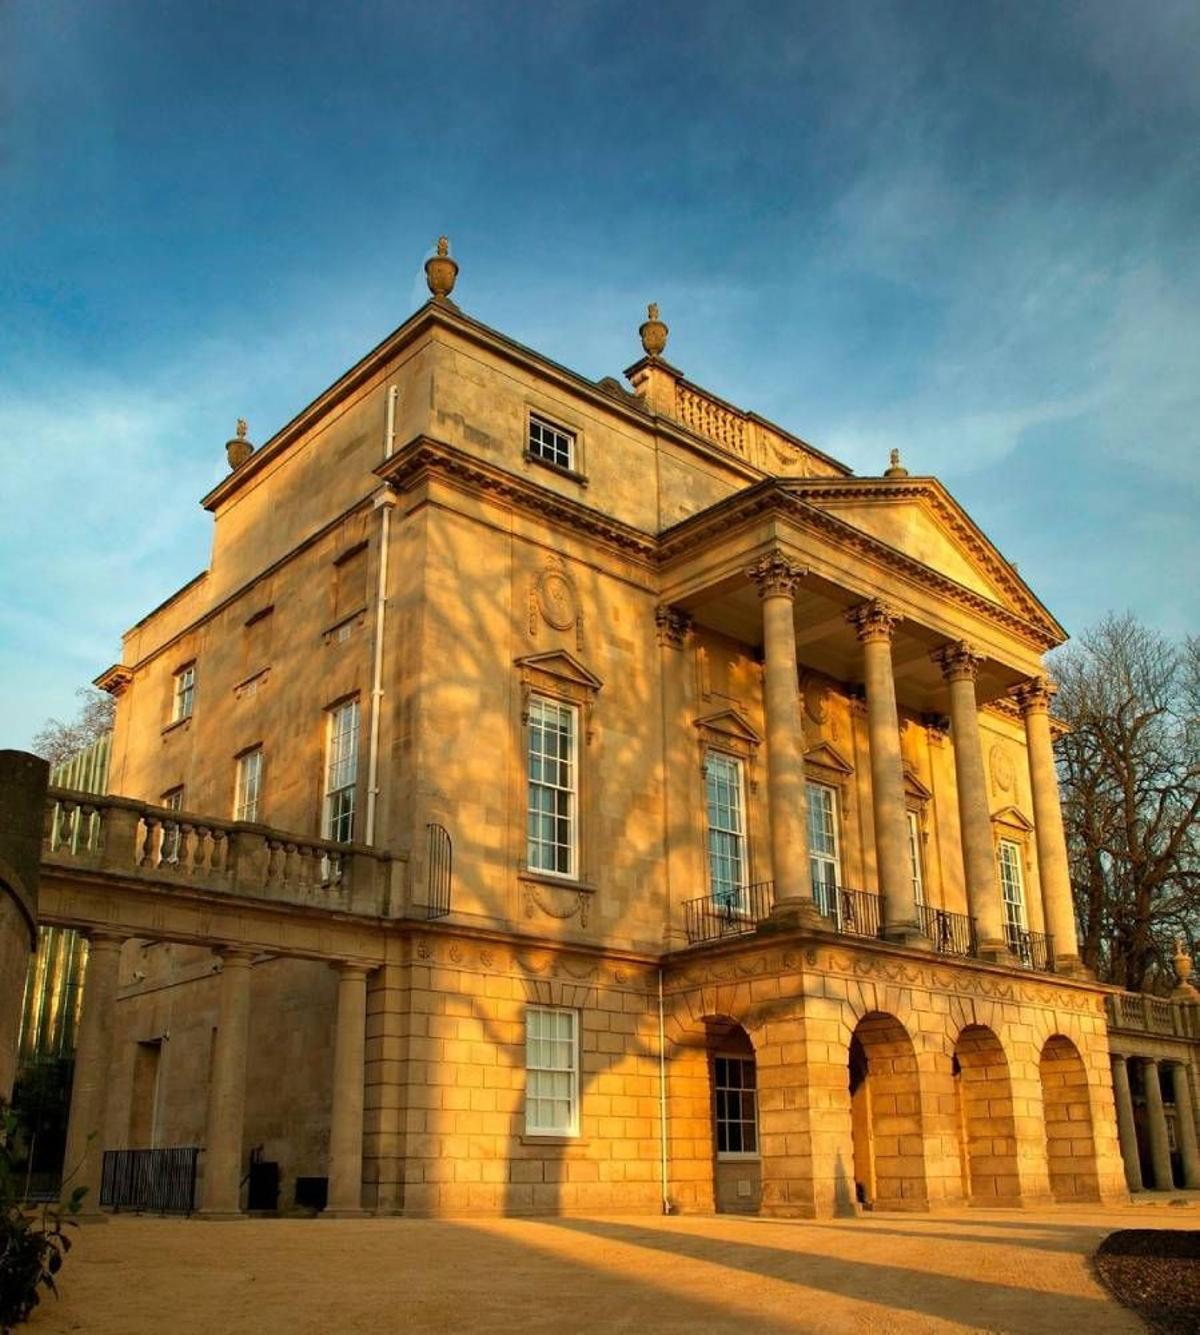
1156,1127
1126,1129
86,1121
227,1092
346,1123
959,664
1034,698
776,577
875,623
1185,1123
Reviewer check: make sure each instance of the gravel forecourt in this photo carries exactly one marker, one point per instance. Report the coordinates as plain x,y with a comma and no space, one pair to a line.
1019,1271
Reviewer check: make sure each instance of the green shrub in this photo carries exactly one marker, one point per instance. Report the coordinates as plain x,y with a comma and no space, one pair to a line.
32,1243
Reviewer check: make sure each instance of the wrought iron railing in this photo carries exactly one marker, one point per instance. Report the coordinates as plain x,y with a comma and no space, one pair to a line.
440,869
732,913
951,933
1033,950
853,912
161,1181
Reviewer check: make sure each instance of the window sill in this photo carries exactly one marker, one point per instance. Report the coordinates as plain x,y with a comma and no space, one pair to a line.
178,723
733,1156
570,473
560,882
550,1141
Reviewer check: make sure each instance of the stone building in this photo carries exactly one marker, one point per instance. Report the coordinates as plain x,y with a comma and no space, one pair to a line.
736,769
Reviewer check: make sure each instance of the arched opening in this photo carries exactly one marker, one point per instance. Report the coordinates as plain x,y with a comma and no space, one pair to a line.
733,1081
1070,1146
885,1110
988,1134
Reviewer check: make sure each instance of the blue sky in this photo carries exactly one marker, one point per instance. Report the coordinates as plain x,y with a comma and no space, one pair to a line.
965,229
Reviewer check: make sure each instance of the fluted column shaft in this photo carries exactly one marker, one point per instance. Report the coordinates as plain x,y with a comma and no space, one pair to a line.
1126,1128
1156,1127
83,1157
1185,1122
346,1124
875,623
227,1094
1053,868
959,666
777,578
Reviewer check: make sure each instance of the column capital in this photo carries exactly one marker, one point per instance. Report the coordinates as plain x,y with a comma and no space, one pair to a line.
232,958
349,969
672,625
1034,696
776,575
958,661
105,941
874,620
1116,1057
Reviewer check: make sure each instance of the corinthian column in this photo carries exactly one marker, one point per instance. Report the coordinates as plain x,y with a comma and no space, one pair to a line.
875,622
1034,698
959,664
777,578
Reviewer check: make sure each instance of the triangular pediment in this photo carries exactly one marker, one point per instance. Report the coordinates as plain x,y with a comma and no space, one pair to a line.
1013,818
828,757
558,663
914,787
918,517
731,724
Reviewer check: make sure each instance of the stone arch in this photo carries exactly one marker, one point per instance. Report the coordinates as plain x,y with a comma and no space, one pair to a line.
1070,1141
885,1112
987,1128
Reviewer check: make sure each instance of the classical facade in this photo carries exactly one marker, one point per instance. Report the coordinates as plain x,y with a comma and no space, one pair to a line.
677,811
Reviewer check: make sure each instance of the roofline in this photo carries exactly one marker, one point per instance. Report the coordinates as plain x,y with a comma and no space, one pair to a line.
441,311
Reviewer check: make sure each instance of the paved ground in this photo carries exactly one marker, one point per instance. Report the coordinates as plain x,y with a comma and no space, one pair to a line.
975,1271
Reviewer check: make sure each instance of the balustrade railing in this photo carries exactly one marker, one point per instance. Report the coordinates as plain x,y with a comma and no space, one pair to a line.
951,933
135,838
1152,1015
734,913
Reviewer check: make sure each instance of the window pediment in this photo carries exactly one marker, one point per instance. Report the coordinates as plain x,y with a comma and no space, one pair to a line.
829,761
728,727
558,666
914,790
1010,821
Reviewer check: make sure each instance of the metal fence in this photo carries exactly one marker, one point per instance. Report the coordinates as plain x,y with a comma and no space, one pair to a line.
159,1181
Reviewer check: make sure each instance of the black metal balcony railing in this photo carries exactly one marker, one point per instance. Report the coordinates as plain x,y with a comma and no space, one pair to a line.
951,933
733,913
854,912
162,1181
1034,950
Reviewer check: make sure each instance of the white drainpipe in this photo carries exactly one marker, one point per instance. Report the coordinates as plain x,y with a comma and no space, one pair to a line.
662,1095
384,503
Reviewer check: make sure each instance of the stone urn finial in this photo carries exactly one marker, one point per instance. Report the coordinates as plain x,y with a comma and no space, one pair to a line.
896,468
441,271
653,332
1183,973
239,449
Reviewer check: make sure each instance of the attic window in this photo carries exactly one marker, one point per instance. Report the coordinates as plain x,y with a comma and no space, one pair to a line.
551,444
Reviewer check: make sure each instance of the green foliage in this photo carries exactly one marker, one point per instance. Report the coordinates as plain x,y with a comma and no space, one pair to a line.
33,1244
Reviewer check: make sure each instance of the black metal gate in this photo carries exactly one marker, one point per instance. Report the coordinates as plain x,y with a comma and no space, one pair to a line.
161,1181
